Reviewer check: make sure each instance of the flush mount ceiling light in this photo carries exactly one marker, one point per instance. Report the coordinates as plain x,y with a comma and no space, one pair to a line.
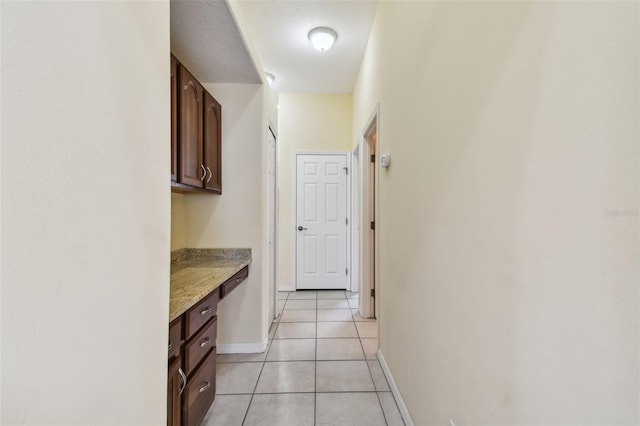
322,38
269,77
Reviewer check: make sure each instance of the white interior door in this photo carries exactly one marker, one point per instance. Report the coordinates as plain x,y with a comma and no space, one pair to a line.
321,221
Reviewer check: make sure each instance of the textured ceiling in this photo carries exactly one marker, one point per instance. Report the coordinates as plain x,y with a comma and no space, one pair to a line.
280,33
205,38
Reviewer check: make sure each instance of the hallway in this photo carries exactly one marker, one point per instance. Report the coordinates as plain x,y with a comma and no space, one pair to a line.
320,368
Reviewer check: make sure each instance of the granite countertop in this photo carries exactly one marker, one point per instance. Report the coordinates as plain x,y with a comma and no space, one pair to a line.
197,272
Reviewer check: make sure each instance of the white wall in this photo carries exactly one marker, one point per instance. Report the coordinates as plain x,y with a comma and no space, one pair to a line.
509,216
308,122
236,218
85,212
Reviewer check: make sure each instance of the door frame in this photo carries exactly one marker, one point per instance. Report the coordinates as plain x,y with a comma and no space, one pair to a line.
356,186
365,306
271,271
294,207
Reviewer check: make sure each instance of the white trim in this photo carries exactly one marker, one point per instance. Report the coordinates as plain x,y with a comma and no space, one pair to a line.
294,215
289,288
402,407
242,348
354,257
366,310
271,270
294,220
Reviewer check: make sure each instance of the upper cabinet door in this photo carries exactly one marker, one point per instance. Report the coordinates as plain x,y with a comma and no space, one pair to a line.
212,143
191,170
174,118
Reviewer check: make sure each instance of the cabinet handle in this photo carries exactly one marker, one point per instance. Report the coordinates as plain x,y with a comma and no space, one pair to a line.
205,311
206,342
170,345
184,381
193,86
210,174
204,387
239,279
204,173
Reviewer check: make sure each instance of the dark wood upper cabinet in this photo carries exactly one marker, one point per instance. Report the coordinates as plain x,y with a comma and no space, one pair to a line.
191,169
196,135
174,119
212,143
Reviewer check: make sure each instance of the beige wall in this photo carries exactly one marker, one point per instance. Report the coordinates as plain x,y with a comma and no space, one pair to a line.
85,213
235,218
178,221
509,216
308,122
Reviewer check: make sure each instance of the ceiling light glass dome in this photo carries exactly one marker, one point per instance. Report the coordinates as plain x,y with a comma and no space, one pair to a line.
322,38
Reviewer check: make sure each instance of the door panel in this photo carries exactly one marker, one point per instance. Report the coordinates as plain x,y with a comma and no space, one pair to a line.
212,143
321,213
332,250
311,255
310,203
191,167
332,202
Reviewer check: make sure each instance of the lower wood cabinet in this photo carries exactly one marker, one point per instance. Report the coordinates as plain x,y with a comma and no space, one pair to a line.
192,357
202,312
198,347
200,391
175,388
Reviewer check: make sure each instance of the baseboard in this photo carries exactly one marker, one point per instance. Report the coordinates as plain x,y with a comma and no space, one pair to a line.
242,348
283,288
404,412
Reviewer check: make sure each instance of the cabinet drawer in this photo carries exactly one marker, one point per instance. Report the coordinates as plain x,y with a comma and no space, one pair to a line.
200,345
175,338
234,281
201,313
200,391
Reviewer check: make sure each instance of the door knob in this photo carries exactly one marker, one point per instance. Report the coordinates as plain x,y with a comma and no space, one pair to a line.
300,228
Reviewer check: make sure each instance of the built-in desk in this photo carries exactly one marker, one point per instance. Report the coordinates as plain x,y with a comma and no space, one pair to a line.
200,278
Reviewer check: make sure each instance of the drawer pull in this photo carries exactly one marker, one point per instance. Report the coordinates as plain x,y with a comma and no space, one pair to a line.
205,311
239,279
206,342
205,387
184,381
170,345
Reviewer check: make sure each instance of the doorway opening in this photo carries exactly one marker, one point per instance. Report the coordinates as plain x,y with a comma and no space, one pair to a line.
272,221
369,208
355,220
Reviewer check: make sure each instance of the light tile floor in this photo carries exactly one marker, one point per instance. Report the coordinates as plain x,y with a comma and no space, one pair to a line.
320,368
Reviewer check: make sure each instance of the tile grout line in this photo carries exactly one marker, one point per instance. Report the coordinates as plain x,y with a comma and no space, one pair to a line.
304,392
297,360
246,413
366,360
315,370
271,341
